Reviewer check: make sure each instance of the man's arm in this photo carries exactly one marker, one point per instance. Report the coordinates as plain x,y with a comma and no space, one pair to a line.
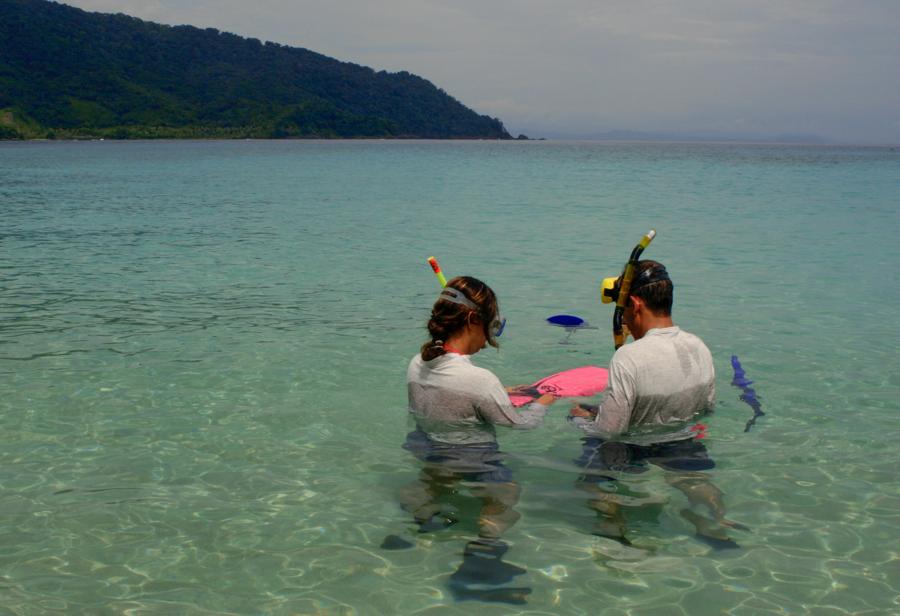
614,413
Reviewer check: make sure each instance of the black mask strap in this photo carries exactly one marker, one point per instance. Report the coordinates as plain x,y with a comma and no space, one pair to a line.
649,276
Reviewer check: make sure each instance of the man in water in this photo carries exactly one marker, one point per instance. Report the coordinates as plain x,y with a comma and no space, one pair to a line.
656,386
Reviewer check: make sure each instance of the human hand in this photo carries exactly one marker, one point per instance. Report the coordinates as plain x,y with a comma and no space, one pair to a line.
579,411
546,399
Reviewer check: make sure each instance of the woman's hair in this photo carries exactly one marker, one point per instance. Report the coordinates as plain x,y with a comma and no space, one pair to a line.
448,317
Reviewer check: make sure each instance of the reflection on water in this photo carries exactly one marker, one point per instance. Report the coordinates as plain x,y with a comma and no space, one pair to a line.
684,462
202,350
478,471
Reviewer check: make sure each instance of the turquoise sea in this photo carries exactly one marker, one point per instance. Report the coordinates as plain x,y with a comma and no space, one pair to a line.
203,349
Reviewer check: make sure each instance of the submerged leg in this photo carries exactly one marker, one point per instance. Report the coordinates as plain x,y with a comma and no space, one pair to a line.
611,519
709,532
424,499
482,573
497,513
701,492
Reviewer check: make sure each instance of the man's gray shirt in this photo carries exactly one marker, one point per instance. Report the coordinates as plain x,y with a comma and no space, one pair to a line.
666,377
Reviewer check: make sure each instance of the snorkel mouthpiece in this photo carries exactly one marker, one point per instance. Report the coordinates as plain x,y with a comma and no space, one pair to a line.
617,289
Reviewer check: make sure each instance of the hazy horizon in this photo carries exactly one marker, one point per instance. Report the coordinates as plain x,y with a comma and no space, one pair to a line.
755,70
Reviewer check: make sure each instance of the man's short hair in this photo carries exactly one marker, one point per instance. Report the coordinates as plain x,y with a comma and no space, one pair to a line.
652,284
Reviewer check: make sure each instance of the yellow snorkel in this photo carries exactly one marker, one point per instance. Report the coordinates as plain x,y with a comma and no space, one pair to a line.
617,288
437,271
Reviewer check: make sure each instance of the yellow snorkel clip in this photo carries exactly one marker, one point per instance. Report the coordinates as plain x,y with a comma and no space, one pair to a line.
617,289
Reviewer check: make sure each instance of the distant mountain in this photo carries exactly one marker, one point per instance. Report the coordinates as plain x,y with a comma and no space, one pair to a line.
68,73
702,137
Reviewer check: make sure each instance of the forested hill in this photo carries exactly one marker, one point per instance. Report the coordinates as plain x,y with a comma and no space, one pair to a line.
67,73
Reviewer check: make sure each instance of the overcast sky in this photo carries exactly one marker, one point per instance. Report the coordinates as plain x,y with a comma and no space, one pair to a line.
576,68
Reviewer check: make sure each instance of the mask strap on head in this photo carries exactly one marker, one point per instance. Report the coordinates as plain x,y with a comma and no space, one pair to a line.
649,276
455,296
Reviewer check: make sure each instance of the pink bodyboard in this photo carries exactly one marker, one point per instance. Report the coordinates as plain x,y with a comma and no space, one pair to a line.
583,381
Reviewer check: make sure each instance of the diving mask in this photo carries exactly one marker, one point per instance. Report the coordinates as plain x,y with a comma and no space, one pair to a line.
455,296
610,287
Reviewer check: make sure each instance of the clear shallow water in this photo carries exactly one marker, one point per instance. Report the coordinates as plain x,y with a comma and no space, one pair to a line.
203,349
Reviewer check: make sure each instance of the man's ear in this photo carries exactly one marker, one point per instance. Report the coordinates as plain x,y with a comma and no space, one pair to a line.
636,302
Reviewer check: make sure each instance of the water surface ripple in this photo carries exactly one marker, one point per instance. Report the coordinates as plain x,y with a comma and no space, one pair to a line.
203,348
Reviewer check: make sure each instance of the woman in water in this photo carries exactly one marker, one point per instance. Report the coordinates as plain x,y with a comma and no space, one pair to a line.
445,388
455,406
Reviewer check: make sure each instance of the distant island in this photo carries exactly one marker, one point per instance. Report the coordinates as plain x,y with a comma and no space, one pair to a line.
703,137
69,74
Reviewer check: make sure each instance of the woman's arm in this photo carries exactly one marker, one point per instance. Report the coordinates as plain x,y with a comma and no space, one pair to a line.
494,407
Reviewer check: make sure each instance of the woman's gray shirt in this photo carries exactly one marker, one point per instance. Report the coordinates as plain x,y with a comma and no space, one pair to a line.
456,402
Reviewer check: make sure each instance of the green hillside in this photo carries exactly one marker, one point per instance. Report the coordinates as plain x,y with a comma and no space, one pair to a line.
67,73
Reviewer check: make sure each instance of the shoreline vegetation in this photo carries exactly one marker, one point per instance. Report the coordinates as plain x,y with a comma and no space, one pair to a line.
69,74
16,127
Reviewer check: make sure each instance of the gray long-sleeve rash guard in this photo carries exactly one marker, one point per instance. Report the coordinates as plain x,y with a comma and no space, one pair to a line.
456,402
665,378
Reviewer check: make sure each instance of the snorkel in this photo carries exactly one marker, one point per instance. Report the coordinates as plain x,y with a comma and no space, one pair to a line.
617,289
437,271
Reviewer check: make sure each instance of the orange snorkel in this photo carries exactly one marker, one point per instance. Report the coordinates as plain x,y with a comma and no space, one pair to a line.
437,271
